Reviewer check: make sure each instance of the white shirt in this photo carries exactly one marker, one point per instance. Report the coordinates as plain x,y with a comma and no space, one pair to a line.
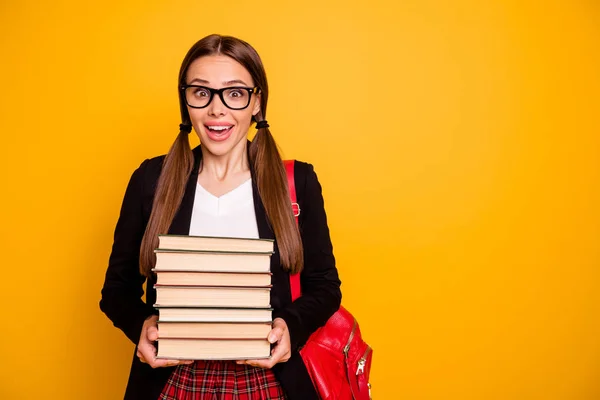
230,215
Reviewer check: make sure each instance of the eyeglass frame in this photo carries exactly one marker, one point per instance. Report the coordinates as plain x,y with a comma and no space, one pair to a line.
251,91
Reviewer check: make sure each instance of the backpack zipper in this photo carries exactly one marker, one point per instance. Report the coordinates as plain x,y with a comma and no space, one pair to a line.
363,361
345,350
347,346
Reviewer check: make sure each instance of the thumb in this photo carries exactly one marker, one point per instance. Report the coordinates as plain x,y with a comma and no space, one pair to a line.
275,335
152,333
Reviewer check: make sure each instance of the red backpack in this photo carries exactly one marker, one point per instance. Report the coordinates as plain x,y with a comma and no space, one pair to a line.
336,357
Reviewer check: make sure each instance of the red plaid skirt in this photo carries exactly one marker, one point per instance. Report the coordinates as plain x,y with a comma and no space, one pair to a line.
221,380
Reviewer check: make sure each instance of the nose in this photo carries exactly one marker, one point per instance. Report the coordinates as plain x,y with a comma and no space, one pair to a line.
216,106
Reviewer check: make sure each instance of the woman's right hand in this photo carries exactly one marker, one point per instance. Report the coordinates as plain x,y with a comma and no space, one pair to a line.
146,350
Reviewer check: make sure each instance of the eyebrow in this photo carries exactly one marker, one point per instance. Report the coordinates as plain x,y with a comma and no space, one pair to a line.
226,83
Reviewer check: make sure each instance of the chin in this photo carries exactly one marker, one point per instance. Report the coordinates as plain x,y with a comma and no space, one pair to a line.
216,149
222,148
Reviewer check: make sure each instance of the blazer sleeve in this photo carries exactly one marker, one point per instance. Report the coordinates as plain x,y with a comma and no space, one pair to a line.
321,294
123,285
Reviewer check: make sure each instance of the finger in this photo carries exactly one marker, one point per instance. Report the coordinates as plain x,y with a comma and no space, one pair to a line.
164,362
276,356
161,362
262,363
140,356
152,333
278,352
147,352
183,362
275,335
285,357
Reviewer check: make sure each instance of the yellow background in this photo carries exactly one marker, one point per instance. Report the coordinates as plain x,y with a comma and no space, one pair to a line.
457,143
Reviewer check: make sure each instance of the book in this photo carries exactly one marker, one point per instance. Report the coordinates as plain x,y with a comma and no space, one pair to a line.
207,243
210,314
212,261
212,296
213,349
188,278
210,330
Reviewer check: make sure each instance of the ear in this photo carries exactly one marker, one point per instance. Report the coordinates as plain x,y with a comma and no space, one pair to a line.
256,108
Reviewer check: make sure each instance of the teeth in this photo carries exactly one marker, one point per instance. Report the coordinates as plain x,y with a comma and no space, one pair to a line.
219,128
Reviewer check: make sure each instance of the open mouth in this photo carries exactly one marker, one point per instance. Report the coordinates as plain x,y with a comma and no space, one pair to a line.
218,132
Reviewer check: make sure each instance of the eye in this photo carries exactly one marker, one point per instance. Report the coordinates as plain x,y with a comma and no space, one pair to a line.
200,92
236,93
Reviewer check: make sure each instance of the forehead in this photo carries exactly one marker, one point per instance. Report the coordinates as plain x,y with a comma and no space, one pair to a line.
217,70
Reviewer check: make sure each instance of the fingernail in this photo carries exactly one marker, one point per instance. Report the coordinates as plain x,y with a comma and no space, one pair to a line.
271,338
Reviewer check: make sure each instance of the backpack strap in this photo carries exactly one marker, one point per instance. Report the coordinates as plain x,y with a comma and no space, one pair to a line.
289,169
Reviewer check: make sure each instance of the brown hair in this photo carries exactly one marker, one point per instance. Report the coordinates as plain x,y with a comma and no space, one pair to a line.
268,168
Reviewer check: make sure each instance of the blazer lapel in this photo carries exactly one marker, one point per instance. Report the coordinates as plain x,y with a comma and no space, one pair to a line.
264,228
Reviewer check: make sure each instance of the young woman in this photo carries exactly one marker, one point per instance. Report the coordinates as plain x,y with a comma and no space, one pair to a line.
227,186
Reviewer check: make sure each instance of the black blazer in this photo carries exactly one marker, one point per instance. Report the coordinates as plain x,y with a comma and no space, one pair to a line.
122,291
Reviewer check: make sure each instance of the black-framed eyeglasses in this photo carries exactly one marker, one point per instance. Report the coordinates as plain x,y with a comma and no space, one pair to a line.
234,97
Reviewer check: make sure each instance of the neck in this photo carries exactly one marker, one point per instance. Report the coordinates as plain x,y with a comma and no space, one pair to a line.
220,167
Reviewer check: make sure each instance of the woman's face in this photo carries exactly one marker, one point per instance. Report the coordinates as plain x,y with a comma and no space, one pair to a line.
220,128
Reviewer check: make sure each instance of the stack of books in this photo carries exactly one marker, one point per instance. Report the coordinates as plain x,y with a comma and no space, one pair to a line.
213,297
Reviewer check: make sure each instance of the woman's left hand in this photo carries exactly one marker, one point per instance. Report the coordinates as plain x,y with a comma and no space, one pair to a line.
282,350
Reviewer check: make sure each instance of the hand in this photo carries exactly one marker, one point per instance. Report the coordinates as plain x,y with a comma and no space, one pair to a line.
146,350
282,350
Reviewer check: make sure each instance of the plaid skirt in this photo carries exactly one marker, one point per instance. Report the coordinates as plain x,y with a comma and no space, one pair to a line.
221,380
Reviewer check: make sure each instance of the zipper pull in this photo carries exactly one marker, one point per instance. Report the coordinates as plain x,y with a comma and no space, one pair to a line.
361,366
